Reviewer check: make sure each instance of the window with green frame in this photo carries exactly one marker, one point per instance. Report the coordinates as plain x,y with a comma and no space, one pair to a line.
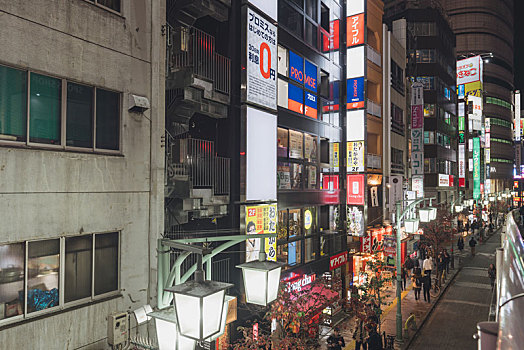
498,102
13,104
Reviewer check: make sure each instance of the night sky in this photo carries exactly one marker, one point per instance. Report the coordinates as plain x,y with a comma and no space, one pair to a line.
519,45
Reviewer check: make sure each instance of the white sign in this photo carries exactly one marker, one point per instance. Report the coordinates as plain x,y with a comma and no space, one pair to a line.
355,62
417,95
462,161
470,165
469,70
355,125
355,158
261,61
354,7
443,180
461,109
417,185
476,113
395,191
517,116
417,163
269,7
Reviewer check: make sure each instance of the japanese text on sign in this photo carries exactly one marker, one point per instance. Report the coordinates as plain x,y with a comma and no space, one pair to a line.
261,219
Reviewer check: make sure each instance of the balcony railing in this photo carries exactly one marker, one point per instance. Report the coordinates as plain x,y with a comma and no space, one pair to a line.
191,48
374,56
374,108
196,160
373,161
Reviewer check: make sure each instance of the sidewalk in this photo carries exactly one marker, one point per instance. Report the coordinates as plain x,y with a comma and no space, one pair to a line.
420,308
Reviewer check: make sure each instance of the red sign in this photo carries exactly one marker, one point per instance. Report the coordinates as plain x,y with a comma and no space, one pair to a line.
366,244
331,189
295,281
462,182
417,117
515,184
355,189
355,30
338,260
451,180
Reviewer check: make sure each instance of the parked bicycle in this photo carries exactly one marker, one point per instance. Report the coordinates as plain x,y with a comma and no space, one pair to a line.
435,289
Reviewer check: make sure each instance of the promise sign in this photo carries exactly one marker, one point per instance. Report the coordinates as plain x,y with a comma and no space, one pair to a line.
261,61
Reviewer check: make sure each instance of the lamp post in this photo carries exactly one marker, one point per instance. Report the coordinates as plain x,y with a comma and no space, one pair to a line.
411,224
458,209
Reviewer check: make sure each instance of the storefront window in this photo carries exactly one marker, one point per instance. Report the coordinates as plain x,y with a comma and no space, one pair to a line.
282,142
43,266
310,220
296,144
12,279
282,253
294,253
296,176
295,223
311,147
312,182
283,176
311,247
282,224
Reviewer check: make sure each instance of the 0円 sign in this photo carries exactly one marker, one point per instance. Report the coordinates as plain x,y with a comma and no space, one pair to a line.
261,219
261,61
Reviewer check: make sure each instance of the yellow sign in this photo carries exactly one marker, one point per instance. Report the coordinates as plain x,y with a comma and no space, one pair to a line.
355,156
307,219
334,154
261,219
473,89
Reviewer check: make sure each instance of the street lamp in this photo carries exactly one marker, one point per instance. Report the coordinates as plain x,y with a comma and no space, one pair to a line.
499,198
485,202
458,208
411,225
491,198
199,305
425,214
167,334
261,279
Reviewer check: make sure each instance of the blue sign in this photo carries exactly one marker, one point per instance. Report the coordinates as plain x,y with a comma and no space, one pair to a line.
295,98
461,91
355,90
311,105
310,80
296,67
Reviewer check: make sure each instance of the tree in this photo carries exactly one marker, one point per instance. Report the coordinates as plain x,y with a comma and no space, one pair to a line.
297,313
366,304
441,230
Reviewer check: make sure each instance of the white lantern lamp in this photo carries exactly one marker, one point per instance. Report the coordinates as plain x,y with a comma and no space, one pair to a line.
425,214
458,208
485,202
491,198
433,215
499,198
261,281
167,334
411,225
199,306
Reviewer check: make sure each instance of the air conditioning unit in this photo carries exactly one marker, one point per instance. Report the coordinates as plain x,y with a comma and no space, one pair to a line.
117,328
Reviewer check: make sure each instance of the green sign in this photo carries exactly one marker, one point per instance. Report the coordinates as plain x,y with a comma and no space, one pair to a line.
462,123
476,168
461,137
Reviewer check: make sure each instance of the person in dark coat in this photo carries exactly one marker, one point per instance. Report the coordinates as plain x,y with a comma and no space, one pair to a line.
336,341
472,244
426,285
492,273
374,339
447,260
460,243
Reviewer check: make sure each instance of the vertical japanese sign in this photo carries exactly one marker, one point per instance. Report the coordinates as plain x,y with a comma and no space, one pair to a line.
355,29
518,156
261,219
355,189
355,158
417,129
334,155
395,191
462,164
261,61
476,168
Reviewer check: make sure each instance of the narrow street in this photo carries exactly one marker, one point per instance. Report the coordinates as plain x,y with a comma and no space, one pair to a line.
464,304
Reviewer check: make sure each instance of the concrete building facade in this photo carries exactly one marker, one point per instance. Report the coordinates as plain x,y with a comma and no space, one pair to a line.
81,180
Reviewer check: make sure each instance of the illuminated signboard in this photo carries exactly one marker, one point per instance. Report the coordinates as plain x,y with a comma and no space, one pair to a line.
296,67
332,42
469,70
355,30
295,99
355,93
355,189
476,168
461,91
310,80
311,105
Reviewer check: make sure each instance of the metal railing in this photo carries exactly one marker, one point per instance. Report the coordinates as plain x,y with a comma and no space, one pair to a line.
220,270
191,48
374,56
373,161
374,108
196,159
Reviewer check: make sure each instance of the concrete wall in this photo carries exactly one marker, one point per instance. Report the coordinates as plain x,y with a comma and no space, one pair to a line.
46,193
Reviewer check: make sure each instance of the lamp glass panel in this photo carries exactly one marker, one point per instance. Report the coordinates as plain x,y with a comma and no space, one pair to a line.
188,315
212,314
255,282
166,334
185,343
273,278
433,213
424,214
222,322
486,202
499,198
458,208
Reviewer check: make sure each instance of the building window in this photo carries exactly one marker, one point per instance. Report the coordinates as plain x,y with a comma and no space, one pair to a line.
43,266
78,267
45,113
110,4
44,270
13,104
44,109
397,119
290,18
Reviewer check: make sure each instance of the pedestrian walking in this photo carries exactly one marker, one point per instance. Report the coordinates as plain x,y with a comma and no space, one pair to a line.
460,243
336,341
447,259
374,340
472,244
492,273
467,227
360,335
417,285
427,266
403,275
441,268
409,265
426,284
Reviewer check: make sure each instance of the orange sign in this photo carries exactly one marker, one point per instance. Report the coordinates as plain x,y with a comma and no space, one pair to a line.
355,30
